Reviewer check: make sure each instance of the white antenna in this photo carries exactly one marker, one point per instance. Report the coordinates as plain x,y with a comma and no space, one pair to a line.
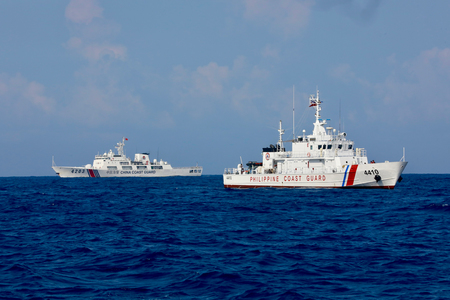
293,112
119,147
280,142
339,116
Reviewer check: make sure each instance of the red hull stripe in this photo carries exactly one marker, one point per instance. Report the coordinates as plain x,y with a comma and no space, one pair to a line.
91,173
351,175
233,186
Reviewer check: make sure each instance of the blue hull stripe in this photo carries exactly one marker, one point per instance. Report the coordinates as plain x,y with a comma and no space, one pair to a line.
345,175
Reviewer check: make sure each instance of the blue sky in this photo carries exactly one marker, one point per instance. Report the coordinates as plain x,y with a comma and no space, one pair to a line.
208,81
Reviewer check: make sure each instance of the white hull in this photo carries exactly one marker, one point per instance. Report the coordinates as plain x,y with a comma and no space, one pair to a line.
353,176
323,159
119,165
86,172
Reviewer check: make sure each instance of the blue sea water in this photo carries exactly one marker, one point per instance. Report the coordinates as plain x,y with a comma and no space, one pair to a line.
189,238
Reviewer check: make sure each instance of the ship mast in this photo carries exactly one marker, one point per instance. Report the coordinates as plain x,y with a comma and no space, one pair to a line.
119,147
280,142
318,108
318,125
293,112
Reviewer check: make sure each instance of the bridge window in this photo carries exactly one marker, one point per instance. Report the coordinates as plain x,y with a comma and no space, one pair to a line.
350,147
329,146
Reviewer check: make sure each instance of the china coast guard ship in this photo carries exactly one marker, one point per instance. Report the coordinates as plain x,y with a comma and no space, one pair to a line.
323,159
118,165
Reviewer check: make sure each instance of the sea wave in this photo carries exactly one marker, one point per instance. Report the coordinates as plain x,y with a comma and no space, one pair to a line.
189,238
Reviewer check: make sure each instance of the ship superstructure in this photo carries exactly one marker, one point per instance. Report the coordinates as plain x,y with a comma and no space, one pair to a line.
112,164
325,158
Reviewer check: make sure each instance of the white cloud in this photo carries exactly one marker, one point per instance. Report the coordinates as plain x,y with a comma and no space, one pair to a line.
92,39
344,73
96,51
242,98
180,74
421,85
35,93
258,73
83,11
239,64
270,51
416,90
96,104
99,95
213,87
286,16
196,91
204,81
360,11
21,97
208,80
74,43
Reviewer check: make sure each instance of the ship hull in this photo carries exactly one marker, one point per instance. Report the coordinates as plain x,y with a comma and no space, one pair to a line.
378,175
75,172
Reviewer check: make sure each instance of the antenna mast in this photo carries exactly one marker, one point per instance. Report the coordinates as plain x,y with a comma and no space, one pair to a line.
293,112
339,115
280,142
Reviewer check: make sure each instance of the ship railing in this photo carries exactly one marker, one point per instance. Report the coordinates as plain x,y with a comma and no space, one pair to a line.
309,171
196,167
309,154
231,171
360,152
235,171
403,157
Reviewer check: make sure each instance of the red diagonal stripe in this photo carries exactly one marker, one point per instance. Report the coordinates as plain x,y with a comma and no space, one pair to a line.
351,175
91,173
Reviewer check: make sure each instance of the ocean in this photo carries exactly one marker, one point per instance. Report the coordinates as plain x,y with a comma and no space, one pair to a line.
189,238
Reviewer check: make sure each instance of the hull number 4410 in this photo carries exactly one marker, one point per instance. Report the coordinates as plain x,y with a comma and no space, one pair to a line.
371,172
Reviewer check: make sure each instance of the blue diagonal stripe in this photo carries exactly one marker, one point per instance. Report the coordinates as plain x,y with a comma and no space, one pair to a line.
345,175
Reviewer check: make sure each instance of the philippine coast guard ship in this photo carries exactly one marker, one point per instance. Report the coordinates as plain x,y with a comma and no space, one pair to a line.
118,165
324,159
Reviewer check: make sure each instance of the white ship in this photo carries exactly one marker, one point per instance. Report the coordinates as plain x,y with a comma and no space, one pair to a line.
324,159
118,165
